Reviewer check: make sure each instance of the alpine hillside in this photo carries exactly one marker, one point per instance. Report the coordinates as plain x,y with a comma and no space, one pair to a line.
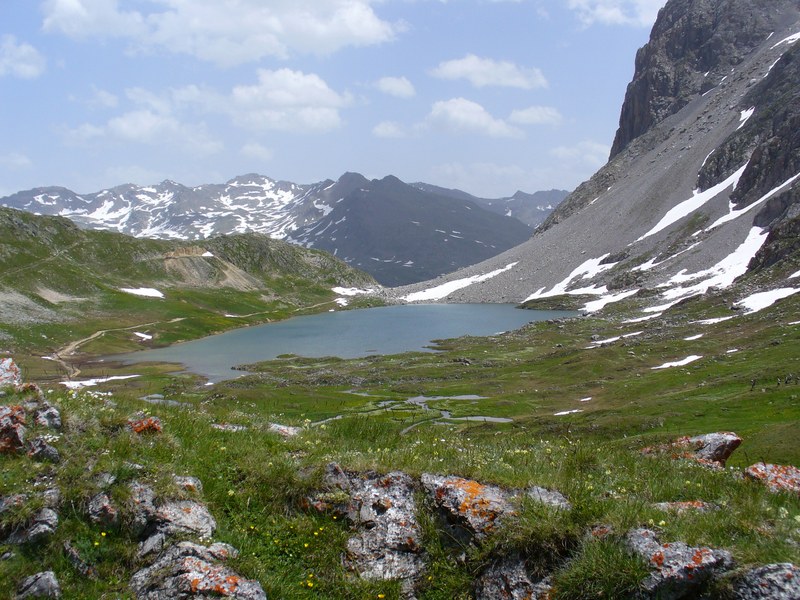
702,180
394,231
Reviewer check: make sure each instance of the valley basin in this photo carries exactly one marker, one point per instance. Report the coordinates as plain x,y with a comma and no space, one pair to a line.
344,334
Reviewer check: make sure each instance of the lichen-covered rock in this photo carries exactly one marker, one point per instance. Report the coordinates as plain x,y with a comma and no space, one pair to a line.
188,483
779,478
9,372
40,450
102,510
12,429
769,582
39,528
284,430
142,506
472,510
509,580
188,570
144,424
710,449
686,506
47,415
388,540
229,427
185,517
550,497
676,568
40,585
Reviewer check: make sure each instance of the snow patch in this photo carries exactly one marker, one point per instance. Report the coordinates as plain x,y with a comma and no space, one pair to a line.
688,206
788,40
568,412
642,319
599,304
692,338
444,290
794,275
144,337
745,116
585,270
761,300
147,292
352,291
207,254
679,363
733,213
713,321
76,385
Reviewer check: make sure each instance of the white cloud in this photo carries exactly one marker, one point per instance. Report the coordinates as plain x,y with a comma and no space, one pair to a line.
86,18
287,100
388,129
15,161
257,151
462,115
482,72
637,13
586,153
103,99
226,33
536,115
20,59
396,86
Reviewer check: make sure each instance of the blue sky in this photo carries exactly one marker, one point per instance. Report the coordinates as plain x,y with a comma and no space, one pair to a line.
488,96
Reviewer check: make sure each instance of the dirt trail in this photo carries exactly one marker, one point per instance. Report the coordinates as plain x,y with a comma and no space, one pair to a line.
72,347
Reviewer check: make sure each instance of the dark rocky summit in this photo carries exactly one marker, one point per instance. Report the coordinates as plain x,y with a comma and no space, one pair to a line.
692,43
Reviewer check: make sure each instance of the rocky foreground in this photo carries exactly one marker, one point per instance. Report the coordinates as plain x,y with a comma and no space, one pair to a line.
176,555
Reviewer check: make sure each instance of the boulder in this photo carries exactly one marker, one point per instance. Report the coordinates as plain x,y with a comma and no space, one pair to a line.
142,506
710,449
40,585
12,429
676,568
9,372
185,517
188,570
388,539
508,579
284,430
39,528
47,415
550,497
188,483
145,424
40,450
779,478
102,511
769,582
686,506
470,510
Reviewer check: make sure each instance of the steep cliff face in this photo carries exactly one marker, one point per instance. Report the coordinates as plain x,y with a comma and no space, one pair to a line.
693,42
704,178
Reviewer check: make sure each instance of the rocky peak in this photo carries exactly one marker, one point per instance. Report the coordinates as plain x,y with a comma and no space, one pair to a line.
693,44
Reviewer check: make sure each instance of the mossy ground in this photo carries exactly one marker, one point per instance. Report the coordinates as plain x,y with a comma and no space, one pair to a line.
254,479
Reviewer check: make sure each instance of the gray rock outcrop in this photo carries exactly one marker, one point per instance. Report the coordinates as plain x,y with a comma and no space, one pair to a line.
769,582
39,585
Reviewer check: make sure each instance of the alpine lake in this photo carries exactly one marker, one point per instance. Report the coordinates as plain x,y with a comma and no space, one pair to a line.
344,334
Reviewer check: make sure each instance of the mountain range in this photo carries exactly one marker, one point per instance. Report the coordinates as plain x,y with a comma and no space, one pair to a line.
398,233
702,183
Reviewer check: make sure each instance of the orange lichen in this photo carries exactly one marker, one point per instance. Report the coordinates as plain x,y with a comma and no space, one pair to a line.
147,425
658,559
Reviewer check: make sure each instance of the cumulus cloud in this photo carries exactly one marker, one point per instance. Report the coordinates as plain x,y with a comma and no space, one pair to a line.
396,86
14,161
20,59
536,115
226,33
462,115
637,13
288,100
388,129
482,72
586,153
257,151
103,99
